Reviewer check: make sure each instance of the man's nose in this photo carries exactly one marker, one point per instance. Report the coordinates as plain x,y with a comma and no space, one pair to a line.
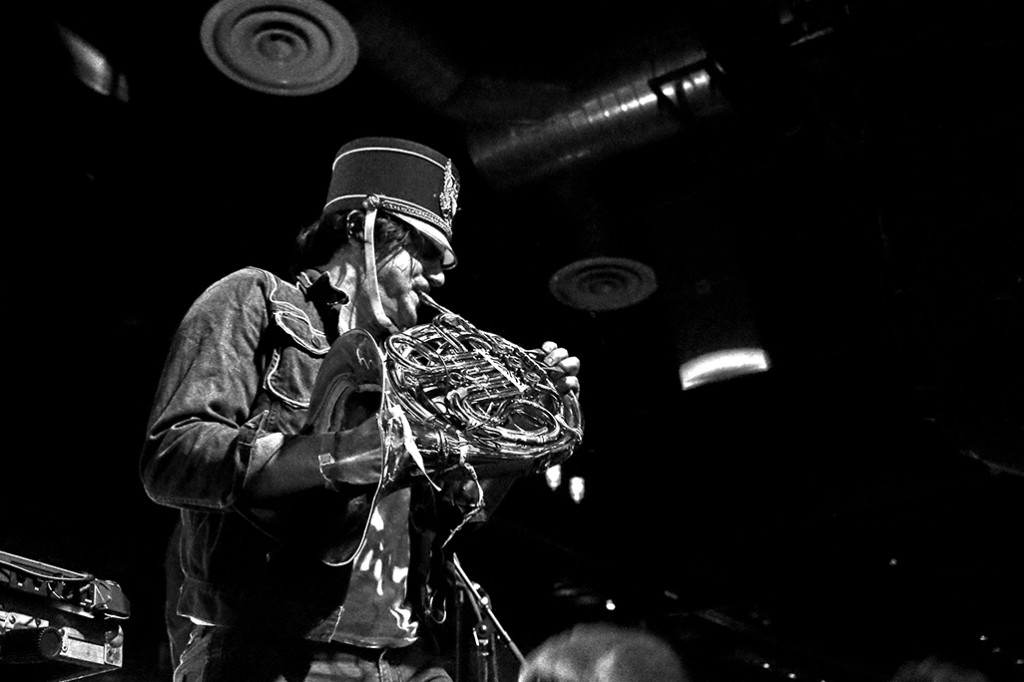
435,278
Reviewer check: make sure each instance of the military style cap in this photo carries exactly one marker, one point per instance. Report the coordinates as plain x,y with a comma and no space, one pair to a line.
412,182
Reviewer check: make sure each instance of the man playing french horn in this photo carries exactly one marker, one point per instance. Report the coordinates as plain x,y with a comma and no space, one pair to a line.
315,509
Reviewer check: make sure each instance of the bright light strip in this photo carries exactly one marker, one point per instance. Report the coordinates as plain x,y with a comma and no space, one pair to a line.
553,476
576,489
723,364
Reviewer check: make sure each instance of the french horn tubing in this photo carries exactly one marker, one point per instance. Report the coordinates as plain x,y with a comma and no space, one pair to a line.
493,404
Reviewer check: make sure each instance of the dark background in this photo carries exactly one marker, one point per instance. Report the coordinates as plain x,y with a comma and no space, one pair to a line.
847,191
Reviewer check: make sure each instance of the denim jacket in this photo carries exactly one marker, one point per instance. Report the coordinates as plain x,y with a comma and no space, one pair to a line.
239,372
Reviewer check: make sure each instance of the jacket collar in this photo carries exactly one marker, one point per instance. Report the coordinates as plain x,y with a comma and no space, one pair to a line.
318,288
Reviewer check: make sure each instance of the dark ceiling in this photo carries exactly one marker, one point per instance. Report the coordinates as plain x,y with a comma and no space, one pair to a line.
840,181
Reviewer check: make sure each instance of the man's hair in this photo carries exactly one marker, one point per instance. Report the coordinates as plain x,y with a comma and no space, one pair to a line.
317,243
603,652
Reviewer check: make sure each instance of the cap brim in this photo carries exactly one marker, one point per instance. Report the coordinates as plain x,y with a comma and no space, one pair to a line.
448,259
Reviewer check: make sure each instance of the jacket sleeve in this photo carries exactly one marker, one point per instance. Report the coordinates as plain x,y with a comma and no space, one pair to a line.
200,434
204,447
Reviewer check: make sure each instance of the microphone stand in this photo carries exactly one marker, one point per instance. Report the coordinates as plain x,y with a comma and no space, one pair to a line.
485,621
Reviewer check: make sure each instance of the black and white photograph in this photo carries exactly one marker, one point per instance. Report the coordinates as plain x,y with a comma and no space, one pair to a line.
367,340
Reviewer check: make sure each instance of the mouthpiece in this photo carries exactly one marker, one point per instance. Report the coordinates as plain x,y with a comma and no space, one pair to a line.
428,299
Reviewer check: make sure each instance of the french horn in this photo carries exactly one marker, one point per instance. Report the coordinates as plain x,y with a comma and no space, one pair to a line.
493,404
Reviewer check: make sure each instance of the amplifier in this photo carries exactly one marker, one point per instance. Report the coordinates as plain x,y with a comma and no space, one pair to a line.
57,624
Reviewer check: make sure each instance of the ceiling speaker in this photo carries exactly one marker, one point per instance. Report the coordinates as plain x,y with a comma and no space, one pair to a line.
281,47
603,283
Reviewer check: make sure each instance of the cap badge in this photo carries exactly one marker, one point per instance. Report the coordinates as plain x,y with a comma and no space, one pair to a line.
449,193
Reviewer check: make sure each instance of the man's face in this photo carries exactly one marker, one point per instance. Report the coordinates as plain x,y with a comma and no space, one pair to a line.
401,278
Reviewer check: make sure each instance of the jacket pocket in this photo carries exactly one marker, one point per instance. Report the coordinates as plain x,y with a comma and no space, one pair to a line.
298,351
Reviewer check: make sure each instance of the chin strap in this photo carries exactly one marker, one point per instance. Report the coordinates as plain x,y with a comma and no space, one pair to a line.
370,206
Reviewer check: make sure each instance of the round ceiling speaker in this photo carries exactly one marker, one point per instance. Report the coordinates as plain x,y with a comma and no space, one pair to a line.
603,283
281,47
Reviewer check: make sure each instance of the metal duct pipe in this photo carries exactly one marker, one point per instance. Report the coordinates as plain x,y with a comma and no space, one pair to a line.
522,131
656,90
654,102
733,48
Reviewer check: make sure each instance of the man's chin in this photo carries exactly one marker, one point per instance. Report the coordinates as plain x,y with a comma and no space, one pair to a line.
410,319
